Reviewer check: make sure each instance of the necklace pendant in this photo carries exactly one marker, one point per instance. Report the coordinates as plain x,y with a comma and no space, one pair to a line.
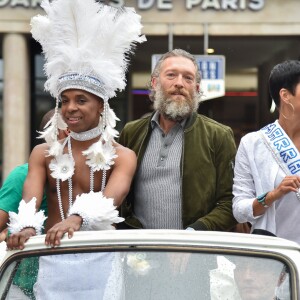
64,169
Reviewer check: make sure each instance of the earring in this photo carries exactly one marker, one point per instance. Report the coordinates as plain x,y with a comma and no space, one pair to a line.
293,109
284,116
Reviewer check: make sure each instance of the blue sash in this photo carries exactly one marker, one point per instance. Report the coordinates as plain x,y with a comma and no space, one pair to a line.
282,148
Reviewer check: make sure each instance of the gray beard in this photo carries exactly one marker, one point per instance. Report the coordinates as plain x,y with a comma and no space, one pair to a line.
172,109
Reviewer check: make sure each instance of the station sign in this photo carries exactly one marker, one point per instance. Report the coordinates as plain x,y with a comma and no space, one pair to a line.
212,70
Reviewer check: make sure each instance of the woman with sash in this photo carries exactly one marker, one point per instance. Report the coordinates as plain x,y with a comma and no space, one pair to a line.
267,167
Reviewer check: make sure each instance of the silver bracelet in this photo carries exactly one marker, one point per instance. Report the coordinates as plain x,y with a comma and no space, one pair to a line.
85,219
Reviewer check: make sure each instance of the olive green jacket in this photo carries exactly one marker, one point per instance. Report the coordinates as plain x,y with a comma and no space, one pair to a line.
206,171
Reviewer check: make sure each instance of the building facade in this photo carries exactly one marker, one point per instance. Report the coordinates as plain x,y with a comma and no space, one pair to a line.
252,35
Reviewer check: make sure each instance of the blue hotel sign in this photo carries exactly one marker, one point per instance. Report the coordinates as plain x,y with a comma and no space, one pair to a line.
211,66
212,69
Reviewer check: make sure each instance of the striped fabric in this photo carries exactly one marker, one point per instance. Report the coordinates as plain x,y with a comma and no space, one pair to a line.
158,182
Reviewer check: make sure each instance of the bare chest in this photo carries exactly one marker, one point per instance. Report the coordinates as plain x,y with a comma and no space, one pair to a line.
83,180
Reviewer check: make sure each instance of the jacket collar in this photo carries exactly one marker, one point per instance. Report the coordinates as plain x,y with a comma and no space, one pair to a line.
186,123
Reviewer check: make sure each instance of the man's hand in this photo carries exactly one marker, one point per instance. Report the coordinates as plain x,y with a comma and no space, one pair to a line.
17,240
69,225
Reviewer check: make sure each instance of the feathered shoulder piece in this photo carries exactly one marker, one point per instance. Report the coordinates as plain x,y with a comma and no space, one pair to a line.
86,45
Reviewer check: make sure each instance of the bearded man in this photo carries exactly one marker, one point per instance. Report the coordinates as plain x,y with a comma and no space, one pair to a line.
185,160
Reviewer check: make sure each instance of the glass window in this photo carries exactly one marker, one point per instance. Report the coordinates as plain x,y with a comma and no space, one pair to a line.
146,275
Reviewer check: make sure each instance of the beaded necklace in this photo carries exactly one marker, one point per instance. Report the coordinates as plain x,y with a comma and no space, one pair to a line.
82,136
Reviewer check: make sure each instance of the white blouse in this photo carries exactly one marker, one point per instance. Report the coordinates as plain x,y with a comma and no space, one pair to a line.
255,173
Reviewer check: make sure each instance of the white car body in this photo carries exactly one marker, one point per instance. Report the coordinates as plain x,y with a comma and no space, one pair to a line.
141,251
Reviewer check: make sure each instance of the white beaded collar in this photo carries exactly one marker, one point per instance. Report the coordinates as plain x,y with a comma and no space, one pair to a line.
86,135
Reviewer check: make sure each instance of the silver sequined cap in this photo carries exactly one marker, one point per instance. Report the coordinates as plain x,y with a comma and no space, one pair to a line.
72,80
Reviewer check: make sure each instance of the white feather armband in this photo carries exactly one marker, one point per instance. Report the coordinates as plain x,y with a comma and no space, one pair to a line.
97,211
26,217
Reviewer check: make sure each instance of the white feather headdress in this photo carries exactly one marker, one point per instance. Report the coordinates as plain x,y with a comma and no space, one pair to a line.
85,41
86,46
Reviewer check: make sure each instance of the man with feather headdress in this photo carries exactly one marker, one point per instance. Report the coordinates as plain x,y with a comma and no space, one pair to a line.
86,46
87,175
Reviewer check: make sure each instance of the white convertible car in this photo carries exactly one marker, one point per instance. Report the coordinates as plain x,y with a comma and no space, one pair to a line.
154,264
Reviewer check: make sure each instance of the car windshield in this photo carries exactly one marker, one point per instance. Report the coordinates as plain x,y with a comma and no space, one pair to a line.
145,275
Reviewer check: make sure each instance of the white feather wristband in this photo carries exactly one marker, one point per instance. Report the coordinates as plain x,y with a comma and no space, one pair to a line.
97,211
26,217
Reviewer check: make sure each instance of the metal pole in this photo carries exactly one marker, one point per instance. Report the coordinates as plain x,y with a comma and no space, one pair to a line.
170,44
205,30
